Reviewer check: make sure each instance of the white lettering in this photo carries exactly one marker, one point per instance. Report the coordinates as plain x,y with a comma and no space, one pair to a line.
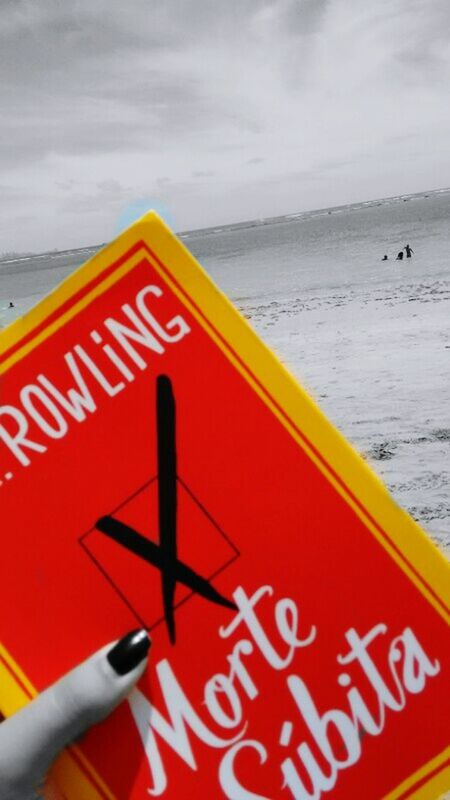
123,334
222,685
76,403
358,652
416,664
110,390
227,776
149,722
239,670
28,396
247,615
18,441
181,326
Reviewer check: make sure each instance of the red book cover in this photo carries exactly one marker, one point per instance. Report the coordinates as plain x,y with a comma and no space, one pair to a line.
160,468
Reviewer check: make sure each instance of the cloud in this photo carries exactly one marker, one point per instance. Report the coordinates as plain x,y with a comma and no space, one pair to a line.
202,173
293,18
105,103
90,78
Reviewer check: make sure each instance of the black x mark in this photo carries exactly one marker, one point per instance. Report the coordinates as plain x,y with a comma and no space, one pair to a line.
164,556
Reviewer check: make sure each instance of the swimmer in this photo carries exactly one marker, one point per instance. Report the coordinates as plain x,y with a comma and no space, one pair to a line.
409,250
11,304
400,256
385,258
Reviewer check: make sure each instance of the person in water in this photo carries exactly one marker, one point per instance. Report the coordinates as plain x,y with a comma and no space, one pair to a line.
409,250
400,256
11,304
385,258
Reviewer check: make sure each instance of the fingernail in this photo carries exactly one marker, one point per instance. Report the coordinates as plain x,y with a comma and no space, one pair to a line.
129,652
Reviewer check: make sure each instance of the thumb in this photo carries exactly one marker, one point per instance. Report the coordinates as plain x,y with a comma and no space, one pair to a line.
31,739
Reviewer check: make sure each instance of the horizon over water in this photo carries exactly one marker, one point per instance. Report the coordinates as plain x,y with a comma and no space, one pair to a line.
368,339
10,256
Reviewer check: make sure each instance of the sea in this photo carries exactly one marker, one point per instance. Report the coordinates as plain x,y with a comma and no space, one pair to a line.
368,338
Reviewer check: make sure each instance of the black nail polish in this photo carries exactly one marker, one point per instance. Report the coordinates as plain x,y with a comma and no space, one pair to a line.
129,652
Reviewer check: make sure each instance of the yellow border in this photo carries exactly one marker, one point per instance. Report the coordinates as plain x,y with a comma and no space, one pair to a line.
332,454
434,787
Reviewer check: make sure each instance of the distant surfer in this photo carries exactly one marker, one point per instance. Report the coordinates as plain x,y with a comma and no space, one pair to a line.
11,304
400,256
409,250
385,258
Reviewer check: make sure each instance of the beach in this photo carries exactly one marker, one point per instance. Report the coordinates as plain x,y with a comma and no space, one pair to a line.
368,339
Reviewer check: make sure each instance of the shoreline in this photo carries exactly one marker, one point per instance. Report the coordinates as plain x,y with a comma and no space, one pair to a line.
9,258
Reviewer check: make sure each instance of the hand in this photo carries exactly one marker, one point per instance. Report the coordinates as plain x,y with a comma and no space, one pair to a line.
32,739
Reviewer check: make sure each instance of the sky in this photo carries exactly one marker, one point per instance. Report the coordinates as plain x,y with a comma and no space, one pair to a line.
213,112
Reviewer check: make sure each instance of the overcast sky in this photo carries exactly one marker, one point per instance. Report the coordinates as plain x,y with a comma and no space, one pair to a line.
213,111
